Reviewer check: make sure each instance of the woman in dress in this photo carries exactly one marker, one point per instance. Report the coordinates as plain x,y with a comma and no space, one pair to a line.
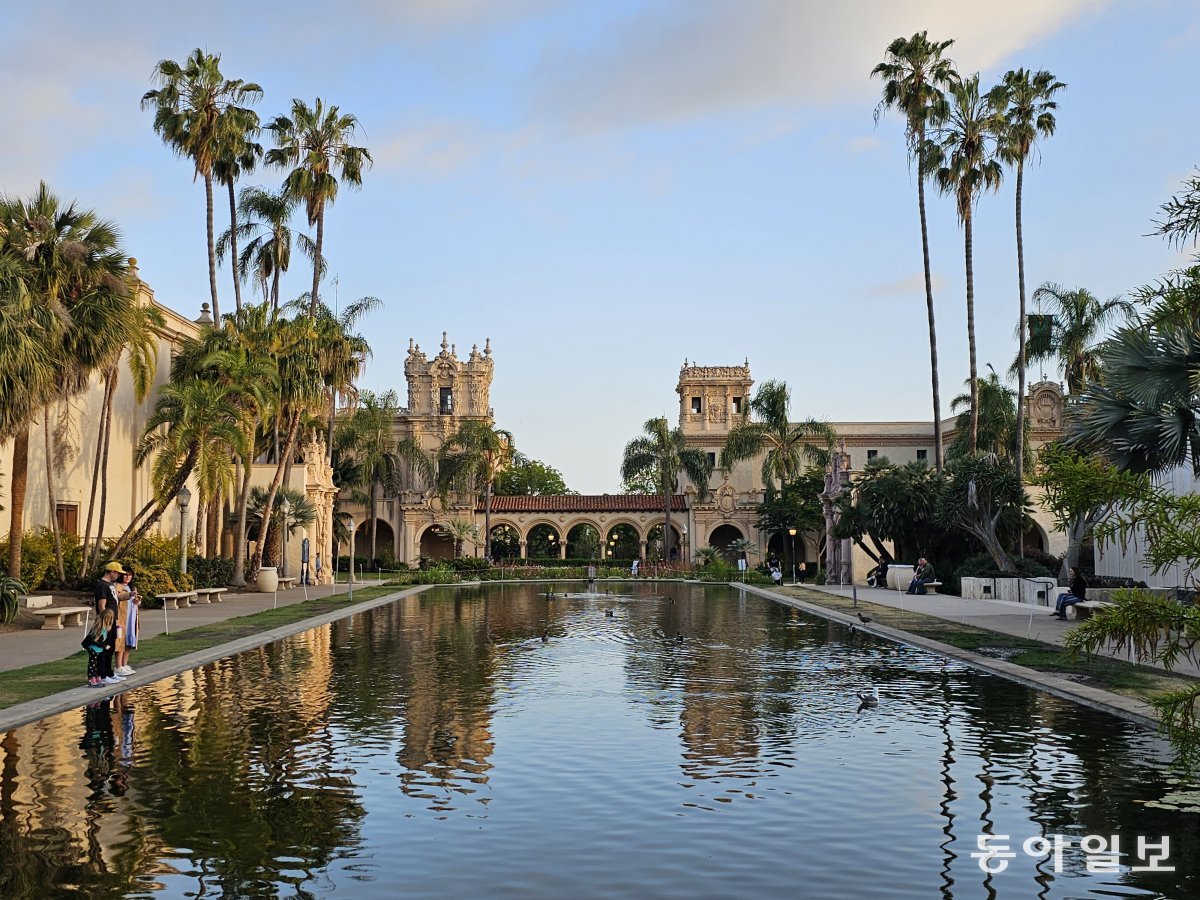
128,604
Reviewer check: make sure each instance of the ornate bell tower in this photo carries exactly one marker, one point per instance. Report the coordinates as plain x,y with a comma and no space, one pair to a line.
712,398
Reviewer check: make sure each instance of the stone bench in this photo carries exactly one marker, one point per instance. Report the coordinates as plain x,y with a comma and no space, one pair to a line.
54,618
178,600
36,601
1085,609
209,595
288,582
930,587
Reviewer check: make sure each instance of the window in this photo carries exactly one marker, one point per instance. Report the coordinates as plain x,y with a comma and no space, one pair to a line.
712,460
446,402
68,518
871,454
922,454
696,404
737,406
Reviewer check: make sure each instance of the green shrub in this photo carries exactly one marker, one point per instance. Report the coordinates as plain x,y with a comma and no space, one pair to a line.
819,576
469,564
151,582
214,572
10,590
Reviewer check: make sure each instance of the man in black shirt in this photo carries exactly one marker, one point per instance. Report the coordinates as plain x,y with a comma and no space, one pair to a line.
1077,592
105,597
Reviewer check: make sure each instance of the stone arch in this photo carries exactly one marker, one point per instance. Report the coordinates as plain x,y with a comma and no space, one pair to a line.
1036,537
623,539
583,541
506,541
543,540
654,539
385,539
724,535
437,543
638,528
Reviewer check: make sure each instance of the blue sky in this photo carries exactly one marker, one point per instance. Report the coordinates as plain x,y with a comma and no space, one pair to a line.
606,189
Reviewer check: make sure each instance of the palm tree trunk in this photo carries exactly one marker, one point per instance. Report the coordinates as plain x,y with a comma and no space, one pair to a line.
666,526
149,514
372,514
104,480
20,481
51,496
239,539
487,520
269,502
938,457
1020,449
312,309
212,250
971,331
105,410
233,248
329,432
212,535
201,520
275,293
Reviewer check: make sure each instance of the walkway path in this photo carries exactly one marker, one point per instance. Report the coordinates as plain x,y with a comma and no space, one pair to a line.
26,648
1002,616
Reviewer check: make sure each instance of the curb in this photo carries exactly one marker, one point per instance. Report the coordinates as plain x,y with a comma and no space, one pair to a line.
77,698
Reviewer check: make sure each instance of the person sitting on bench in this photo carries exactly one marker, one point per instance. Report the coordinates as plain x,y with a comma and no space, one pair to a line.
1077,592
921,577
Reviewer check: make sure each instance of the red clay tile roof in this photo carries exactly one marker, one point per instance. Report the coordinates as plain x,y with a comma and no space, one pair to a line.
586,503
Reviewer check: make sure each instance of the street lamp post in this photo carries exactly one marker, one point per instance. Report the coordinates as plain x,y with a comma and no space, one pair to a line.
183,498
792,532
285,507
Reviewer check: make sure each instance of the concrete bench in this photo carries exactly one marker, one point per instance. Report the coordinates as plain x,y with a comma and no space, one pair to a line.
1085,609
289,582
54,618
930,586
209,595
178,600
35,601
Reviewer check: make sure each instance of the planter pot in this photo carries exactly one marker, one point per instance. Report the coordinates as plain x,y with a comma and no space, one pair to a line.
268,579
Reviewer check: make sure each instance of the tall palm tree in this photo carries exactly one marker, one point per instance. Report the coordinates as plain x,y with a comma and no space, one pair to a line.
964,157
662,452
998,420
264,218
915,74
1025,102
68,289
377,451
1077,323
469,460
789,446
314,143
237,155
194,108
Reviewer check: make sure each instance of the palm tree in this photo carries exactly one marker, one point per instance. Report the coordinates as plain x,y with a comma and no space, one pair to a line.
301,513
915,75
238,154
1026,106
344,352
1077,322
662,452
315,144
998,421
964,157
195,106
67,289
463,531
789,446
469,460
378,453
263,221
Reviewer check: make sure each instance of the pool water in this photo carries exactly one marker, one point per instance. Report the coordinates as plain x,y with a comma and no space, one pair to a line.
494,741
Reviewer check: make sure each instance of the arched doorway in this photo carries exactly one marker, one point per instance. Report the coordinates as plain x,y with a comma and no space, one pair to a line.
437,543
583,542
385,541
623,542
506,542
654,543
542,542
722,537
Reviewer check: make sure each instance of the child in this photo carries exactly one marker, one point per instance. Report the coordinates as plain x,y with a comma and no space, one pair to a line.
99,644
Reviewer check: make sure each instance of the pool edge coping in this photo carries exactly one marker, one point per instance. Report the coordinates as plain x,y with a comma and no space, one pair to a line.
1128,708
76,698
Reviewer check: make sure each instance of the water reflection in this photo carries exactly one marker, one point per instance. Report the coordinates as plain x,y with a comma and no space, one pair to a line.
350,759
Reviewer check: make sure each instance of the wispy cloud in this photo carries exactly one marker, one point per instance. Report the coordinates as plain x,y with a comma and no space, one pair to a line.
913,284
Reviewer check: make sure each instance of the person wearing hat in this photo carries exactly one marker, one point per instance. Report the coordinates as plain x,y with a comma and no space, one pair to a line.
106,597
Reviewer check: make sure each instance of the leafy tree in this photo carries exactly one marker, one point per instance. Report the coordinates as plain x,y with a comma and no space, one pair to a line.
643,483
531,478
471,459
915,75
463,532
1081,490
662,452
1077,323
1025,102
788,446
982,496
1180,221
896,503
196,110
963,157
315,144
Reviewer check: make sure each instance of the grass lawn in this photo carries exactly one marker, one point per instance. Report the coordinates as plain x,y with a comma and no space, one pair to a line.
1128,679
34,682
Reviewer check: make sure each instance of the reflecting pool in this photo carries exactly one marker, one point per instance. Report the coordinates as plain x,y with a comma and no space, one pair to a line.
496,741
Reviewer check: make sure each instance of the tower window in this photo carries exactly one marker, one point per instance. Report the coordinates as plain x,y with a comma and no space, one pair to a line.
446,401
712,460
871,454
922,454
696,404
737,406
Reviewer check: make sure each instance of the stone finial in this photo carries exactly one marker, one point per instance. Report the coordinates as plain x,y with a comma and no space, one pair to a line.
487,347
445,343
410,345
454,351
205,317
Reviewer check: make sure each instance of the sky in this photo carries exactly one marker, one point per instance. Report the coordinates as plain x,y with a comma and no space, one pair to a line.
607,189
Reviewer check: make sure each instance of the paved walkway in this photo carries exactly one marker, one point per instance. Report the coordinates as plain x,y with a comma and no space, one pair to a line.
26,648
1002,616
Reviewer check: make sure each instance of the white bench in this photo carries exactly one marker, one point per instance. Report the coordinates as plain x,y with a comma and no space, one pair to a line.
1085,609
53,618
209,595
289,582
36,601
177,600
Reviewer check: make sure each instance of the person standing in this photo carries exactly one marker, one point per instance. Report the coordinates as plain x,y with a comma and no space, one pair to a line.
1077,592
318,567
99,644
128,608
802,572
105,596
